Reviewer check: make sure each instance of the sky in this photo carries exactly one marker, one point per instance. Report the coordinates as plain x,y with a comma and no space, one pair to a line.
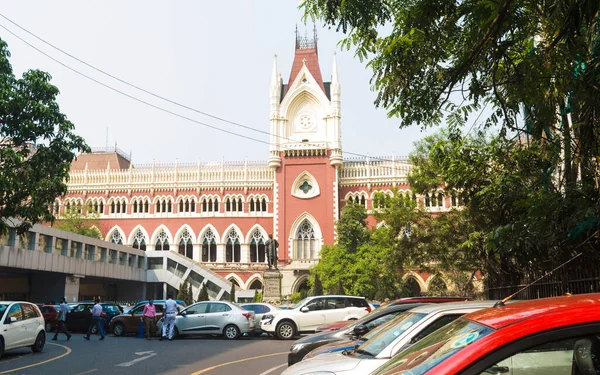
216,57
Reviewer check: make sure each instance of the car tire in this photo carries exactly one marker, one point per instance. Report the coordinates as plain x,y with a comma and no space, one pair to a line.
48,327
38,345
231,332
175,332
285,331
118,329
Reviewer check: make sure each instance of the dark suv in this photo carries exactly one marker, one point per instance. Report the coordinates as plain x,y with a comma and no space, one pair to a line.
80,316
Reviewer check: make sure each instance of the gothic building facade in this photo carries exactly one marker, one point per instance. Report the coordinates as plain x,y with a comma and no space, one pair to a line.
220,214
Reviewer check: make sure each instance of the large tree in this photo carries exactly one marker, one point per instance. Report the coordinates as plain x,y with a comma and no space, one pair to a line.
37,146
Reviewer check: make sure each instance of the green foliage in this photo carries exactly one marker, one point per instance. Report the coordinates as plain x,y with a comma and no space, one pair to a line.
37,146
203,293
257,296
86,224
297,297
232,293
317,287
185,293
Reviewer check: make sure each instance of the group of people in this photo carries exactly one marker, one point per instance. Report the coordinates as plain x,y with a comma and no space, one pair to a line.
148,318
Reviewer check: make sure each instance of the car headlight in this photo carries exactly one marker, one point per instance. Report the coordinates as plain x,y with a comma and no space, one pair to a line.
297,347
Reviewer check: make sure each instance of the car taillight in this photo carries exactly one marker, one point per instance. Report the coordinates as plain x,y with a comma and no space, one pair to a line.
368,309
247,315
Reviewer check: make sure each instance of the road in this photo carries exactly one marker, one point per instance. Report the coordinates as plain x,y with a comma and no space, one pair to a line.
129,355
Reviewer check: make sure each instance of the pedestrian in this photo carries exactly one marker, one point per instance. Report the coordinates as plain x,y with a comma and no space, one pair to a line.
62,318
171,310
149,318
96,320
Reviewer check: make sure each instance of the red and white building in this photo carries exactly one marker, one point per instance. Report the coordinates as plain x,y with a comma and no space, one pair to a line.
220,214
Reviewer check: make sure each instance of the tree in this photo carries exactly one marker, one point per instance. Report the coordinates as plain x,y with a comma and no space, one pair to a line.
184,293
203,294
73,220
232,293
37,146
317,287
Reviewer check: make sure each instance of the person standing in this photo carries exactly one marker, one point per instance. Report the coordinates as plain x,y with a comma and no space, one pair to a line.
62,318
171,310
271,247
96,320
149,317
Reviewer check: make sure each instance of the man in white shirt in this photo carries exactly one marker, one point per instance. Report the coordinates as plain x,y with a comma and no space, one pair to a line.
96,320
171,310
61,318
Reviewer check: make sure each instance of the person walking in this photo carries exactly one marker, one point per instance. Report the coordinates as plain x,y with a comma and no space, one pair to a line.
62,318
96,320
149,318
171,310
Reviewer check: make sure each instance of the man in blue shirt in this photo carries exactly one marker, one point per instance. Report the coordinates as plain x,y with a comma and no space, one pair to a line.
96,320
62,317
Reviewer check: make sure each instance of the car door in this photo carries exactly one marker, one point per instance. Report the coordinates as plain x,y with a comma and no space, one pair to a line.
314,317
31,322
79,318
334,309
15,333
217,317
132,321
193,319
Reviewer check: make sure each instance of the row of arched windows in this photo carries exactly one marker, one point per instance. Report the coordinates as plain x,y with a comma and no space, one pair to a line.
381,199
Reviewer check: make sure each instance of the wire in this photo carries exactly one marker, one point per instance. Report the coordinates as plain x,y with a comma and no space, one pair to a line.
477,119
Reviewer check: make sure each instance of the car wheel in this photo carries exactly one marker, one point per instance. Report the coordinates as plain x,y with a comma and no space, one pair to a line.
118,329
285,331
38,345
48,327
231,332
175,332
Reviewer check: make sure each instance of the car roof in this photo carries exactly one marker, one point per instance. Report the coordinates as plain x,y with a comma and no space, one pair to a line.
449,306
336,295
522,310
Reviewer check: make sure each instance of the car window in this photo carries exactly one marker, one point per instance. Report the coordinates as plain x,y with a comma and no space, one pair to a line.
15,312
3,308
335,303
357,302
138,310
379,321
80,308
262,309
159,308
110,308
197,309
435,325
29,311
46,309
219,307
315,305
381,340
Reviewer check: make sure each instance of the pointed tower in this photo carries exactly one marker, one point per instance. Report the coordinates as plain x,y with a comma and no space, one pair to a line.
306,154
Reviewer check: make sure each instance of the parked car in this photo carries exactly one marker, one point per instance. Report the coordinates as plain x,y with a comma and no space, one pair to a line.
129,323
399,333
80,316
260,309
21,325
213,318
50,314
558,335
312,312
181,303
359,327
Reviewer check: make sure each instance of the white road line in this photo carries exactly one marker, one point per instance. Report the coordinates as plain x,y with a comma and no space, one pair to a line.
127,364
88,372
272,369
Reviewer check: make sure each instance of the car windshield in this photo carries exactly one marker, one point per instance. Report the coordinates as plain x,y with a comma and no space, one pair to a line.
3,307
300,303
389,332
435,348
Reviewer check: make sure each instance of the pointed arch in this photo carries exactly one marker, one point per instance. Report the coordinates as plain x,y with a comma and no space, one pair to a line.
417,278
185,239
305,238
233,239
208,241
302,279
229,229
238,280
255,277
134,231
157,232
305,186
182,229
162,238
111,237
257,237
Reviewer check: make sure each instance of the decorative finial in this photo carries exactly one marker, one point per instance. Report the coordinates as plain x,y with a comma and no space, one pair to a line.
304,61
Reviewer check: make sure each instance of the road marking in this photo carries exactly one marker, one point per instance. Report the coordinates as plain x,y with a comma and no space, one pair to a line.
41,363
149,354
238,361
87,372
272,369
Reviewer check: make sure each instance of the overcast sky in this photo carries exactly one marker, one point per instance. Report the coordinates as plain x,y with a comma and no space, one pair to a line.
214,56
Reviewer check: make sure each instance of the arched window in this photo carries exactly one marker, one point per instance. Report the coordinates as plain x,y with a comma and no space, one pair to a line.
239,205
440,199
427,201
162,241
135,207
146,207
257,247
306,244
228,205
139,240
256,285
363,201
264,205
234,282
112,208
209,247
185,244
433,200
252,205
232,248
412,287
116,237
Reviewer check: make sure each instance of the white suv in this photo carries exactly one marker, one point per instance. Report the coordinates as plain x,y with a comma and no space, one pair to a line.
21,325
312,312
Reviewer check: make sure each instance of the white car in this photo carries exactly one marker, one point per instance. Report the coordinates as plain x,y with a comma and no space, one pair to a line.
260,309
213,318
313,312
394,336
21,325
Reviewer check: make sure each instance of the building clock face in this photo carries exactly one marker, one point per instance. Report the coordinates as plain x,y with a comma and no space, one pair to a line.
305,122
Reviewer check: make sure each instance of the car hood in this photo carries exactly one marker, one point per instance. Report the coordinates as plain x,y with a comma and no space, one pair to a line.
333,362
335,347
322,336
335,325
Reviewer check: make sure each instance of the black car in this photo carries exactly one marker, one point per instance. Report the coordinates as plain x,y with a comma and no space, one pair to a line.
80,316
302,347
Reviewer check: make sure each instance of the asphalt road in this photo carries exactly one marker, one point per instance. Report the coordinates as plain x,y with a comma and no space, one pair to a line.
129,355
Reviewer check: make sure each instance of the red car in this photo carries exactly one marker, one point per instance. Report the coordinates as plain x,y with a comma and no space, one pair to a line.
559,335
50,314
343,323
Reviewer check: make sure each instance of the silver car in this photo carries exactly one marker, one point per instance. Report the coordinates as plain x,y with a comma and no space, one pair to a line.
260,309
214,318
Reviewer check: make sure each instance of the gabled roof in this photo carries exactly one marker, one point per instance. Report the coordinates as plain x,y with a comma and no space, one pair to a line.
309,56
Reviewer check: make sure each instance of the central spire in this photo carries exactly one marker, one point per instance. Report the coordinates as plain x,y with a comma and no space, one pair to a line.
306,55
303,42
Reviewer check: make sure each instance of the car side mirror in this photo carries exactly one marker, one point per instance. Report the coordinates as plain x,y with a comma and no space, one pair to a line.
183,313
9,320
304,309
360,330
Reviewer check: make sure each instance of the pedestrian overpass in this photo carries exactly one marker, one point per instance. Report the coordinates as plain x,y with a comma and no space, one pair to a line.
54,263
